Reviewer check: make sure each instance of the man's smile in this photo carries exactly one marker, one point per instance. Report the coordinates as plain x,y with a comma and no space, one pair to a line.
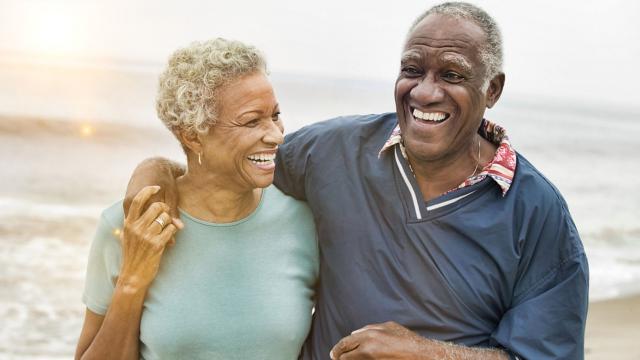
434,117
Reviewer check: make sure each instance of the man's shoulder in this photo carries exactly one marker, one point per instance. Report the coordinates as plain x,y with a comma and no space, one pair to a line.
530,182
535,196
347,126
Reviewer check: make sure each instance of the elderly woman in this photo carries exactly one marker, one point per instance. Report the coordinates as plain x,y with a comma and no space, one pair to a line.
238,282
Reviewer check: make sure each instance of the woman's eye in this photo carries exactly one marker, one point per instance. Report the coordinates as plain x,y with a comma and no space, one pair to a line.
276,116
252,123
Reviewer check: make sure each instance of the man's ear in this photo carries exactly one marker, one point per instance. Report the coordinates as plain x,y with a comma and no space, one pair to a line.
190,140
495,90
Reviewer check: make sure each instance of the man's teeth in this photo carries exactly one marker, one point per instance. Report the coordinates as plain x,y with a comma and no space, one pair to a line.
434,116
261,158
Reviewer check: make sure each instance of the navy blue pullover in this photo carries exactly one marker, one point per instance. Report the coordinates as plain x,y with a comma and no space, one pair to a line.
485,270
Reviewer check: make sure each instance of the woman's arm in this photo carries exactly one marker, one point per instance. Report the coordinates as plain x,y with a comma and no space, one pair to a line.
90,328
115,335
144,238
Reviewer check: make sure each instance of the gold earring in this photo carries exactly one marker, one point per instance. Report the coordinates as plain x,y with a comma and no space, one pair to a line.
199,159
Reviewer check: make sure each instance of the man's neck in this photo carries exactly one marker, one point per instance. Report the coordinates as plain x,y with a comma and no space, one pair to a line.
438,177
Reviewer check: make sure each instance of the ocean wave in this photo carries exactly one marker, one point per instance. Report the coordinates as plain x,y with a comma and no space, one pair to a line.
32,208
614,236
614,271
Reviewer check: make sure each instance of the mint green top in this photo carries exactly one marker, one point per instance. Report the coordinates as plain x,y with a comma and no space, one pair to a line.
241,290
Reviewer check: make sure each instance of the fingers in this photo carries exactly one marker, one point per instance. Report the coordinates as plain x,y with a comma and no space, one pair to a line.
343,346
155,225
177,222
358,343
153,212
180,225
140,200
368,327
167,234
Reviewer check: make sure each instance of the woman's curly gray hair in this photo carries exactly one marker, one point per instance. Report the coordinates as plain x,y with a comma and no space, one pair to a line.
188,89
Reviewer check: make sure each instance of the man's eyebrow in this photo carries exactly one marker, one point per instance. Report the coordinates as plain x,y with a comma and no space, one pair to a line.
459,61
410,55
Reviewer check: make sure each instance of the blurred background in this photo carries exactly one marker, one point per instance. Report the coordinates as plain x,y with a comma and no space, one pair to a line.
77,89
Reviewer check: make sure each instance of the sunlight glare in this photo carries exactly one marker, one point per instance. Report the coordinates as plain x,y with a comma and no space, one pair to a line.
87,130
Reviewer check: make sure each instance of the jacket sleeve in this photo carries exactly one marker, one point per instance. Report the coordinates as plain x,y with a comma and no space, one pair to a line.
546,319
292,163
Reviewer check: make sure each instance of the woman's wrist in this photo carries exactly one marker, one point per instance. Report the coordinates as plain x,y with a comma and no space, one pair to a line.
132,284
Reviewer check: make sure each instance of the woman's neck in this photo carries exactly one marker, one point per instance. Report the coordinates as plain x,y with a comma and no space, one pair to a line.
205,198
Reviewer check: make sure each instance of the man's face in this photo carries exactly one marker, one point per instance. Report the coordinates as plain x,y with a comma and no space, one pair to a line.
439,97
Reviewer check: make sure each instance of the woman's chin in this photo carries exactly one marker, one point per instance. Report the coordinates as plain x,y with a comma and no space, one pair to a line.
263,181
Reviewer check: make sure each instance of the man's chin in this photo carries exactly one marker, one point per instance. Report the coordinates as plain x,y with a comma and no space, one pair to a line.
424,151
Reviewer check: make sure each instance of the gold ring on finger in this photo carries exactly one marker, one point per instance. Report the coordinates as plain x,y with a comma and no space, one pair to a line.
160,221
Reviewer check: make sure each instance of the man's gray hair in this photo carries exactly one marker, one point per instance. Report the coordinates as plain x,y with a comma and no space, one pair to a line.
491,51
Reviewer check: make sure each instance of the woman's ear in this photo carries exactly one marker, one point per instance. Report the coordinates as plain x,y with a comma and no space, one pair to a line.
191,140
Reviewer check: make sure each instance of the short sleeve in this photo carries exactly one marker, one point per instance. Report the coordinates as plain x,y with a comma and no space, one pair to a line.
104,262
548,315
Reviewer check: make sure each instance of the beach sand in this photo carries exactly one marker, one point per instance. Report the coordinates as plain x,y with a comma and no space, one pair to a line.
613,329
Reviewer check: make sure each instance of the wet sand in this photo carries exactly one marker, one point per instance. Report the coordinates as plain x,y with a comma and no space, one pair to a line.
613,329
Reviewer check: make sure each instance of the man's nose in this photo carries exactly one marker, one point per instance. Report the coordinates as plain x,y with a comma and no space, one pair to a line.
427,91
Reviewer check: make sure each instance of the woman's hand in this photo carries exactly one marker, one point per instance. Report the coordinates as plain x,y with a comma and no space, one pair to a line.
144,239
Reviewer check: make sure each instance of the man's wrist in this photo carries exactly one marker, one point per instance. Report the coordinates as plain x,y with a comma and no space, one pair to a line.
176,169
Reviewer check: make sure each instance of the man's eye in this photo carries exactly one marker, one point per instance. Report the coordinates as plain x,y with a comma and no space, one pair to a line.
453,77
410,71
276,117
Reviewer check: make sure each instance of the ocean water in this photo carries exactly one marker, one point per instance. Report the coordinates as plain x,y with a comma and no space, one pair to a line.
70,137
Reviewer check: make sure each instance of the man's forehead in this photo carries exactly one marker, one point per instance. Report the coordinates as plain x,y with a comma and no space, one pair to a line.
457,59
440,31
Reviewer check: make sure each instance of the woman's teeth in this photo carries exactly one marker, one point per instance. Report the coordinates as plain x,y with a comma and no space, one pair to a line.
262,159
429,116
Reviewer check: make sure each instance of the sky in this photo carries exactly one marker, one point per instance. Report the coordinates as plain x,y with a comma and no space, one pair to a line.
575,51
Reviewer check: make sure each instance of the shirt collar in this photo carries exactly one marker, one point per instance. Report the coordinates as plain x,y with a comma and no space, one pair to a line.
501,169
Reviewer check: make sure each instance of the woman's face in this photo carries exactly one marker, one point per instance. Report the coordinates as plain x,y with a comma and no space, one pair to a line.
241,147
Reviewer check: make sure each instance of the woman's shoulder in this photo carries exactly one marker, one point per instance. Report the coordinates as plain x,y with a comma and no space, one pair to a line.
274,196
113,214
109,227
278,204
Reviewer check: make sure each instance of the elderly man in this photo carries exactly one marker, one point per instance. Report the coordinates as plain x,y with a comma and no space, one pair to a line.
437,239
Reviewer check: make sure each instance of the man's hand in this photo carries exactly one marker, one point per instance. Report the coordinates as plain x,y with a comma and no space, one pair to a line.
160,172
155,171
393,341
381,341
